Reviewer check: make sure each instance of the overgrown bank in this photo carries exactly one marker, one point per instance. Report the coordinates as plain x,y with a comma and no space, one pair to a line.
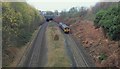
99,42
19,21
109,21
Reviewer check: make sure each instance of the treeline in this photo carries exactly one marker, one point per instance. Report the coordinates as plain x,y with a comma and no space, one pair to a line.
19,21
109,20
73,15
84,12
74,12
102,6
104,14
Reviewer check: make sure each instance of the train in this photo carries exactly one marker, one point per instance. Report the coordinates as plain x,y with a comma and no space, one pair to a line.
64,27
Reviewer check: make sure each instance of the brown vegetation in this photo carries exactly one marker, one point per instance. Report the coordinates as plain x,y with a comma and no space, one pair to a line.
95,43
105,52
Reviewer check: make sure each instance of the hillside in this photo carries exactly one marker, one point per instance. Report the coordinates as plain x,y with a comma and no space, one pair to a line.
18,25
104,51
101,40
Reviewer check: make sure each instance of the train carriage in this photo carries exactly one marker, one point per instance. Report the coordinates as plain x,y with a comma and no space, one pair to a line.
64,27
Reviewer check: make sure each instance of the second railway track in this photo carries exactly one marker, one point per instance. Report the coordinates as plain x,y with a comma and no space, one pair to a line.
76,55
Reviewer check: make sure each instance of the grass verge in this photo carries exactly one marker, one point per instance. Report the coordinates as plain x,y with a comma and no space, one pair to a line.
57,56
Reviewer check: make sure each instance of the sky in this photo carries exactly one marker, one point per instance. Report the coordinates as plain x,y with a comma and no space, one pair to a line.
51,5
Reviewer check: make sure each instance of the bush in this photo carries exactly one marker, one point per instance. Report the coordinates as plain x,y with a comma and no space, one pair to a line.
99,16
102,56
56,37
109,21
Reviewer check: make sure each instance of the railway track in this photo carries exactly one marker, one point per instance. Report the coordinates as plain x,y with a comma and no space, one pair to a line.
36,55
75,53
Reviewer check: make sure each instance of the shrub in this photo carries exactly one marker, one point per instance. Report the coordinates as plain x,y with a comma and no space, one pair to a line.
99,16
102,56
109,21
56,37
